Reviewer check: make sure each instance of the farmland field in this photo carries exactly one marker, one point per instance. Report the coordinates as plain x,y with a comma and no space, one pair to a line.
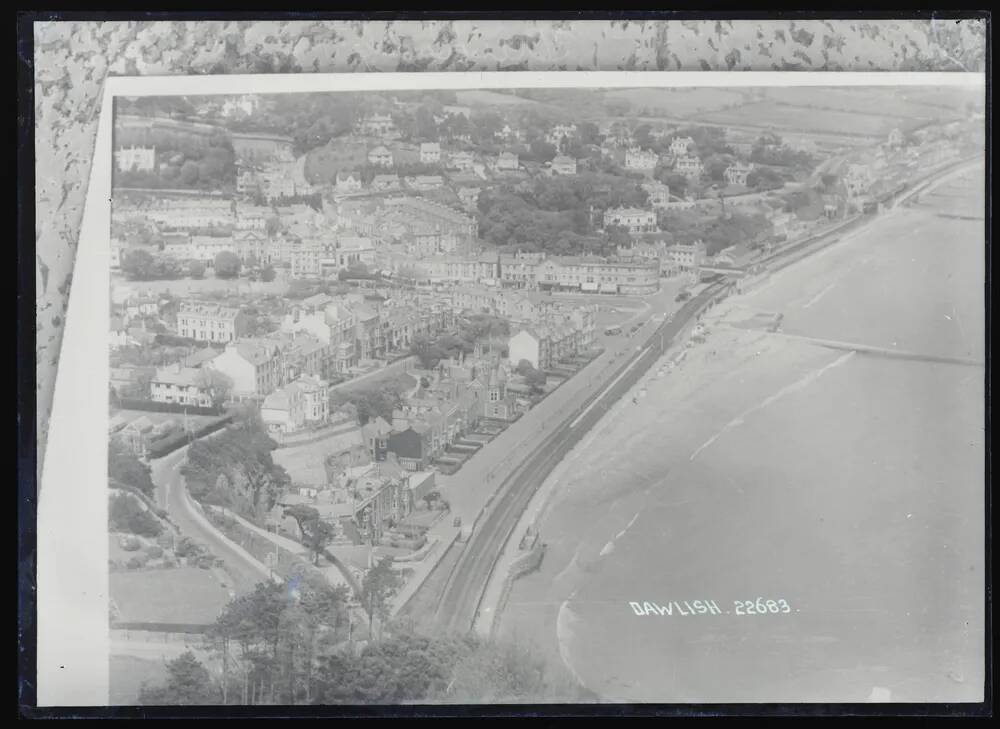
679,102
781,116
861,101
490,98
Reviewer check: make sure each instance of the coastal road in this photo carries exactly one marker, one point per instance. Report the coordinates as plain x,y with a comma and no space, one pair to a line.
464,589
172,495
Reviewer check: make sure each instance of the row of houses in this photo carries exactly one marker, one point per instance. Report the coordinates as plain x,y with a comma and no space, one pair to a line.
591,274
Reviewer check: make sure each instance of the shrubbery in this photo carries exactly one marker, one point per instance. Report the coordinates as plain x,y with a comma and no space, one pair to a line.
126,513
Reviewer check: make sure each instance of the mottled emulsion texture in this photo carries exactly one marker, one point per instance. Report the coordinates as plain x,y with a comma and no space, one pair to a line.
72,59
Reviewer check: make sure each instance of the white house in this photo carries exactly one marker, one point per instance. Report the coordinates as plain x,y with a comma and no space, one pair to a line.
736,173
346,182
659,194
680,146
690,167
380,156
641,159
636,220
139,159
253,367
507,161
430,152
181,385
461,160
302,403
563,165
527,345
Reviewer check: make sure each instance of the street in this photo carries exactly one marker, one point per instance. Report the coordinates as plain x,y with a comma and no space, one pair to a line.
171,494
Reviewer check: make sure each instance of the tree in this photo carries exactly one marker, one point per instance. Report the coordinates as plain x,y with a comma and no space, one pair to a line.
316,533
532,376
196,269
189,172
380,584
218,385
227,264
268,274
124,467
188,683
137,264
618,236
643,135
542,151
764,178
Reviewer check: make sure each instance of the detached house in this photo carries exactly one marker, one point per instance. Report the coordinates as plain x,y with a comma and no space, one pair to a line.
736,174
347,182
507,161
690,167
430,153
181,385
380,156
563,165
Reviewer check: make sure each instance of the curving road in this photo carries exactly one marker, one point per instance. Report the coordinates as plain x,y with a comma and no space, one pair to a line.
172,495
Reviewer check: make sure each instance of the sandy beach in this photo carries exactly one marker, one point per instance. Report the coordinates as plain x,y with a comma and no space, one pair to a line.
845,487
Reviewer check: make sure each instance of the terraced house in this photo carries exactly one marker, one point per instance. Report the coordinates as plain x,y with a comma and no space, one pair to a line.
210,322
253,366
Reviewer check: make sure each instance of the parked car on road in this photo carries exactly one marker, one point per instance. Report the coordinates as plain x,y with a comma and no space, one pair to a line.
683,296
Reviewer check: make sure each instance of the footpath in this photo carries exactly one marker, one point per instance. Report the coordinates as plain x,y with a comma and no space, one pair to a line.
332,572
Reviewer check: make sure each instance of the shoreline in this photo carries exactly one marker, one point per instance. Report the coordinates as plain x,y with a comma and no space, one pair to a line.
541,626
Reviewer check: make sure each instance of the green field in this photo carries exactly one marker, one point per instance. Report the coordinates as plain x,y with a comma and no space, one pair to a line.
878,102
678,102
154,595
818,121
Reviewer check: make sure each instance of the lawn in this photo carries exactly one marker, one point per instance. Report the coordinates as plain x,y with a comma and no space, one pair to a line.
180,595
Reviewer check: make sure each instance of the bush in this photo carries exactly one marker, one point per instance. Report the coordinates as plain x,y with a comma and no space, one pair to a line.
131,544
154,551
187,547
136,562
127,514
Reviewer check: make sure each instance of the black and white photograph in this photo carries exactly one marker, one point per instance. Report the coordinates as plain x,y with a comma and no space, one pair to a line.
539,388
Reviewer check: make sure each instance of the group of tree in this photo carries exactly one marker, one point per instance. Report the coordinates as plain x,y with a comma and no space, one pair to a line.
138,264
234,468
556,215
717,232
285,652
372,401
187,165
316,533
227,265
126,513
126,469
477,328
311,120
